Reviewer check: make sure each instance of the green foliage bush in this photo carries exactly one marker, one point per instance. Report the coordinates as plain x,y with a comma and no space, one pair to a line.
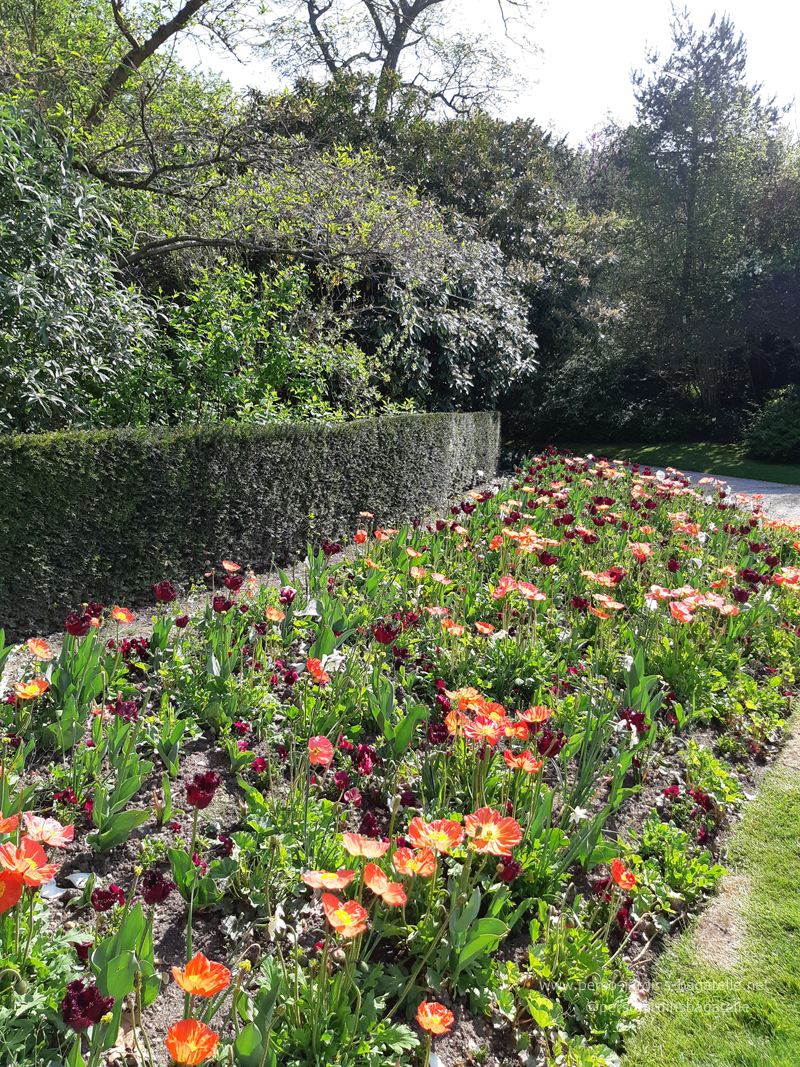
103,514
774,433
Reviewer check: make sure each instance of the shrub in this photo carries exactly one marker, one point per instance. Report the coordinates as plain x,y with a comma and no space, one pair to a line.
774,434
102,514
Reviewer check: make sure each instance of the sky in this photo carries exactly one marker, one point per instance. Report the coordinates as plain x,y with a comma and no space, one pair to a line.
588,48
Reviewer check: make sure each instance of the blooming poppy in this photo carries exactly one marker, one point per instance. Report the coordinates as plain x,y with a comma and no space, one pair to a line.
435,1018
681,612
360,537
641,550
600,614
418,572
483,728
382,536
495,542
366,514
413,554
438,612
441,579
348,919
231,568
47,831
371,563
357,845
10,889
121,615
190,1042
484,628
31,690
530,592
420,861
608,602
538,713
275,615
452,628
503,588
314,667
491,832
455,722
320,750
202,977
328,879
441,834
39,648
390,892
621,875
523,762
9,824
28,860
468,699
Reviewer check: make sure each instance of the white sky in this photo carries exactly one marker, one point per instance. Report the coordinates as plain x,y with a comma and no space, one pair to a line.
589,47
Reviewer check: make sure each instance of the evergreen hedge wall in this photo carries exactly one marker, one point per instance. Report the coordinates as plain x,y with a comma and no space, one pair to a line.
101,515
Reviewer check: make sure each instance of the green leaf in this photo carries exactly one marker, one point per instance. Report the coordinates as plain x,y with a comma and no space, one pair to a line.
117,829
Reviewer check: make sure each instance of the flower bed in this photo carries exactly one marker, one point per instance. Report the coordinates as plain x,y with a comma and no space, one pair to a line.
455,789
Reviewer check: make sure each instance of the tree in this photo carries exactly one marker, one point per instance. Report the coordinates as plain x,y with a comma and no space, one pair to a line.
411,45
704,148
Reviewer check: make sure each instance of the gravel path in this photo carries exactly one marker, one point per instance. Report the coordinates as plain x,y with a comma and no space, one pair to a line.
779,501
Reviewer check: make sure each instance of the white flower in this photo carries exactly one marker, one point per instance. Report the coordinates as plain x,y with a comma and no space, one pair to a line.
333,662
627,662
702,537
578,815
498,635
661,476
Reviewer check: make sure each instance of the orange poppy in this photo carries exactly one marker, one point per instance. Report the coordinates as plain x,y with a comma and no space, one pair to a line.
442,834
530,592
371,563
681,612
202,977
600,614
729,609
328,879
357,845
641,550
275,615
538,713
39,648
231,568
10,889
315,670
503,588
483,729
320,750
435,1018
523,762
27,860
621,875
366,514
47,831
484,628
360,537
495,542
491,832
9,824
452,628
381,536
412,552
519,730
467,699
441,579
420,861
418,572
438,612
121,615
608,602
190,1042
390,892
348,919
455,722
30,690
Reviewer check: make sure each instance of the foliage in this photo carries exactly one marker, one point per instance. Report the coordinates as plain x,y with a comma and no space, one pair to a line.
774,433
227,488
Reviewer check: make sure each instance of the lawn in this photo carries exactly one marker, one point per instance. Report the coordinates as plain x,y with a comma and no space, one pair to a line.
707,457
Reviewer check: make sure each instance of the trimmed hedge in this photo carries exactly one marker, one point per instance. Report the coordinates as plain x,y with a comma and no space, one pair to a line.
102,514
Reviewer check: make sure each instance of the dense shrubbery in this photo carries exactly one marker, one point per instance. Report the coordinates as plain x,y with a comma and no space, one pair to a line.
774,434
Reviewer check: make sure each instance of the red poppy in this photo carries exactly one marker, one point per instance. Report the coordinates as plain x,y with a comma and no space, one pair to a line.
641,550
9,824
492,833
538,713
10,889
435,1018
320,751
231,568
390,892
680,612
483,729
121,615
360,537
523,762
621,875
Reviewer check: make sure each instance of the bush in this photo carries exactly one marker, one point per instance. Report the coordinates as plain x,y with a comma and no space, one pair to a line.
774,434
102,514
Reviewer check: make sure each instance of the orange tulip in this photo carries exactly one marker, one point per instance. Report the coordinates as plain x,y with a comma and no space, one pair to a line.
231,568
435,1018
39,648
492,833
27,860
621,875
190,1042
47,831
9,824
390,892
327,879
275,615
10,889
442,834
348,919
320,751
357,845
420,861
31,690
315,670
202,977
121,615
523,762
